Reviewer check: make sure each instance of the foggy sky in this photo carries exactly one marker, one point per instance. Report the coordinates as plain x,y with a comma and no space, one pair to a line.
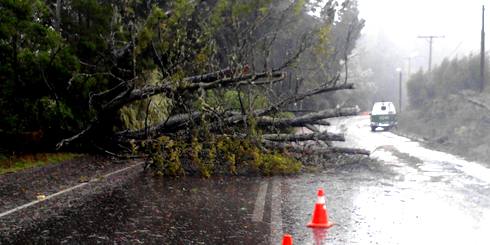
401,21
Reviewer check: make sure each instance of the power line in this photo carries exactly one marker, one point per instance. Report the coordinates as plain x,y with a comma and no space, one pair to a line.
454,50
430,48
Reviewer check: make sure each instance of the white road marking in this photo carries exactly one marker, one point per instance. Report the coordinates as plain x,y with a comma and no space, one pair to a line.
64,191
276,216
258,213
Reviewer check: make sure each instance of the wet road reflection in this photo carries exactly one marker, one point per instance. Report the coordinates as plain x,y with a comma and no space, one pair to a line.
414,196
149,210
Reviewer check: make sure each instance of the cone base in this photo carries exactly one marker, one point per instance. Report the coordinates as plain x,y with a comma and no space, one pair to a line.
314,225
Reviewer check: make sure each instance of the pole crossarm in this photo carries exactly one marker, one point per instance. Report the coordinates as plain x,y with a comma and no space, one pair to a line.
430,37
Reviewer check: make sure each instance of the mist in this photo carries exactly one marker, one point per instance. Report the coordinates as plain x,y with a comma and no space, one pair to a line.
401,22
390,39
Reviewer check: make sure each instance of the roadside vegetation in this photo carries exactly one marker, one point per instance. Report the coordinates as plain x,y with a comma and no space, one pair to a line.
188,85
13,163
448,108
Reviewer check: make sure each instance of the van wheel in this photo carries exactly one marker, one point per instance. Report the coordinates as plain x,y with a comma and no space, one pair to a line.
373,129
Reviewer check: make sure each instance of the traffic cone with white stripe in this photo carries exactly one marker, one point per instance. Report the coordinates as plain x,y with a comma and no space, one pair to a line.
320,216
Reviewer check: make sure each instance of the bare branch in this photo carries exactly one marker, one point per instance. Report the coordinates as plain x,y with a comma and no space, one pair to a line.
304,137
310,118
149,91
67,141
312,128
324,122
299,97
172,124
210,77
314,150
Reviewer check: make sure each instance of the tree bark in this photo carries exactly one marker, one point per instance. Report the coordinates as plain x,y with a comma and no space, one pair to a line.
172,124
329,87
304,137
178,122
131,95
310,118
313,128
168,87
314,150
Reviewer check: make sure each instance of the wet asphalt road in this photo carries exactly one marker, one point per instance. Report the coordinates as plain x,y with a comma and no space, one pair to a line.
412,196
416,195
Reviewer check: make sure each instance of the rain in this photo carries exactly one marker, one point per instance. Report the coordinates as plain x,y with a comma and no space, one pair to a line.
244,122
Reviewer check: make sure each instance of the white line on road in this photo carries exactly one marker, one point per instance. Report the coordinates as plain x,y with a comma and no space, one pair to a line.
276,217
63,191
258,213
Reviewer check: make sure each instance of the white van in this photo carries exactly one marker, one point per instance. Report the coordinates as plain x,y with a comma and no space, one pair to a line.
383,115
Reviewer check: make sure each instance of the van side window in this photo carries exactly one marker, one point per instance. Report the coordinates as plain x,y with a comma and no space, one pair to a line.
383,108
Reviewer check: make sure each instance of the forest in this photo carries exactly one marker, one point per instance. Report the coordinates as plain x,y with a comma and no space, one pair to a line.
449,107
449,77
194,86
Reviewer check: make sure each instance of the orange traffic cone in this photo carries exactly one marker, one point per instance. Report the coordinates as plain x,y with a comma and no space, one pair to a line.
287,239
320,216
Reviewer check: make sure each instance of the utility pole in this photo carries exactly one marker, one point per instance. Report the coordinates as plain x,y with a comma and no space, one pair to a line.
409,59
482,51
409,65
409,70
399,70
400,92
430,48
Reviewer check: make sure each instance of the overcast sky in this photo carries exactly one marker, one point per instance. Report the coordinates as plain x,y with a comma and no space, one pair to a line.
403,20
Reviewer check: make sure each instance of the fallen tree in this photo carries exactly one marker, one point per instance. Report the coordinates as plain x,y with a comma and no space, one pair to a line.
315,149
324,136
236,114
182,126
188,85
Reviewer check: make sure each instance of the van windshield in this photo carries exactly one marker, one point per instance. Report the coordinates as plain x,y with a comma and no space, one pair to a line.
383,108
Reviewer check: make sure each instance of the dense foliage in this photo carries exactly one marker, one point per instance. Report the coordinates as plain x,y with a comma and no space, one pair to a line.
448,108
35,69
94,67
450,77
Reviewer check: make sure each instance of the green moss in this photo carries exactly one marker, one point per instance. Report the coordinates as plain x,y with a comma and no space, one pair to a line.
200,159
217,155
277,163
151,110
165,153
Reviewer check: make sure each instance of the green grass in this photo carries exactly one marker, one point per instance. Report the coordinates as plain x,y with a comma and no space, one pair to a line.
12,164
452,124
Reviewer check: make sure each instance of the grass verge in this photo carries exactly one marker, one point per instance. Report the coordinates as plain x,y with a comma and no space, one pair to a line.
14,163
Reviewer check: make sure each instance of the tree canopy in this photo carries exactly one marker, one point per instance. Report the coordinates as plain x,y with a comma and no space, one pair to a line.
450,77
88,71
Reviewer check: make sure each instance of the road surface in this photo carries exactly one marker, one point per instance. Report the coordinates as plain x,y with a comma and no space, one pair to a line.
415,196
411,195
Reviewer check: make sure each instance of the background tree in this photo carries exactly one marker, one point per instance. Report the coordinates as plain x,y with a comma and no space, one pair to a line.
448,108
450,77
